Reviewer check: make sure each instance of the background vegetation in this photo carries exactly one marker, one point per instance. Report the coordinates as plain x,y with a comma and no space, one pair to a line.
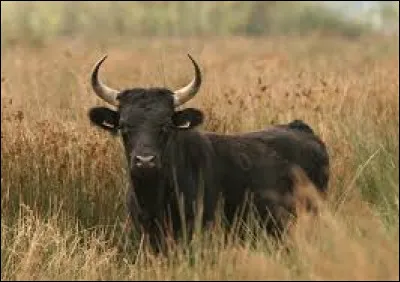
63,182
39,21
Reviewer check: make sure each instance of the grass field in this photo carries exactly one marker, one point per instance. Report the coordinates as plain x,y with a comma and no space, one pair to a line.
63,181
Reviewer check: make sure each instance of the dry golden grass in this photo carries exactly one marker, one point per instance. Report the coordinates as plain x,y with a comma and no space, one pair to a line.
64,181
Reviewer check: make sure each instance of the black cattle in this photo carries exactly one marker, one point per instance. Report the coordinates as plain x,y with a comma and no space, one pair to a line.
170,162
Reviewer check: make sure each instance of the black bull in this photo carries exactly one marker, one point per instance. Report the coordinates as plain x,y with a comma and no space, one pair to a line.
169,159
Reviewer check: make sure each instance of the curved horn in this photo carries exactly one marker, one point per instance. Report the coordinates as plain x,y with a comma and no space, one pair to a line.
189,91
103,91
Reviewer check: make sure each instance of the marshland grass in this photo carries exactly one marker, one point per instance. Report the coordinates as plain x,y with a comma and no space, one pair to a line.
64,182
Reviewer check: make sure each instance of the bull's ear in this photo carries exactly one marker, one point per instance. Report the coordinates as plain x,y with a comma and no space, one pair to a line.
104,118
188,118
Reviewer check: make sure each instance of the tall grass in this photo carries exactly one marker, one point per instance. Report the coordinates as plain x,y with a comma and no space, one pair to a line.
64,182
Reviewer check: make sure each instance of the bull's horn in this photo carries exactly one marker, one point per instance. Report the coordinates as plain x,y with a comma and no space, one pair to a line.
103,91
189,91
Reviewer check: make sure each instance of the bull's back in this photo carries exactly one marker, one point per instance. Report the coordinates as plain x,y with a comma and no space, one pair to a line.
264,156
299,145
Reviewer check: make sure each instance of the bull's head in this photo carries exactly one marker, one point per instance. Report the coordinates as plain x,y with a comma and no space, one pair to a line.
146,118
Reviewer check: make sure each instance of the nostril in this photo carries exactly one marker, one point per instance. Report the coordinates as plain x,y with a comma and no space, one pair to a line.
145,159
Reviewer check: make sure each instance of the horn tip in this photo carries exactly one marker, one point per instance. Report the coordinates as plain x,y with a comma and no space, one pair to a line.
98,64
194,62
190,56
103,58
